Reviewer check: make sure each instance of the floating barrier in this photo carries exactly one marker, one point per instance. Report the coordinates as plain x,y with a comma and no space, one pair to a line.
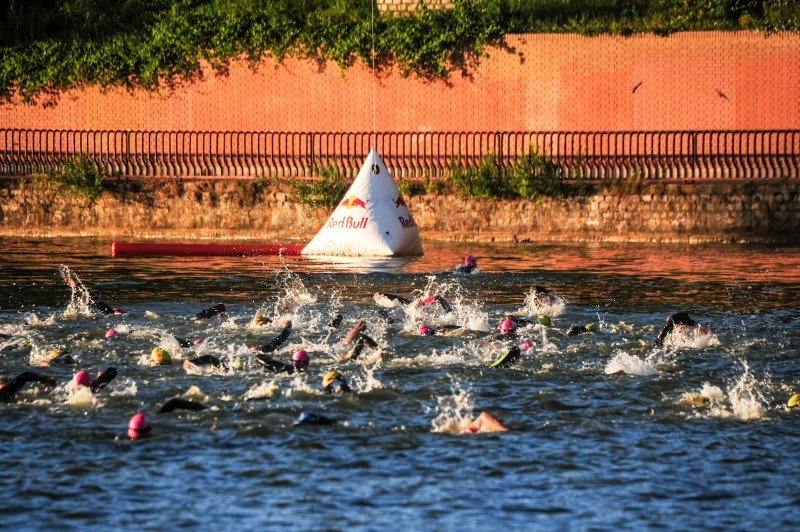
122,249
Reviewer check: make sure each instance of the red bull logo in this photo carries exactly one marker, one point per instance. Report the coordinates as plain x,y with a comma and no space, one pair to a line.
400,201
353,201
348,222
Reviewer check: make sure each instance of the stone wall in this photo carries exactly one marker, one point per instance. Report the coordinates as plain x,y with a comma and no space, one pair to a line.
228,210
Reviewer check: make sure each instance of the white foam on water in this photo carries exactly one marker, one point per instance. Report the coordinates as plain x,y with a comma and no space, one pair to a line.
691,337
533,306
747,396
623,362
261,390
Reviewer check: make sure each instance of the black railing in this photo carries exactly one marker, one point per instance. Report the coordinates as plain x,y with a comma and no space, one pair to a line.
591,155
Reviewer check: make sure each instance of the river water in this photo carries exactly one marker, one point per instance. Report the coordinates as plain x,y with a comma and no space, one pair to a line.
606,430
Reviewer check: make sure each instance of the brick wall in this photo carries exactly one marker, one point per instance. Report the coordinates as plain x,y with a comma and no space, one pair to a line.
702,80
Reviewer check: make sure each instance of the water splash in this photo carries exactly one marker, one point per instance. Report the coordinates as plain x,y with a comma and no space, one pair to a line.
454,411
746,396
80,301
623,362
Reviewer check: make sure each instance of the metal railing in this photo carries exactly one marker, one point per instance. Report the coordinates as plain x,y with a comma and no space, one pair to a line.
590,155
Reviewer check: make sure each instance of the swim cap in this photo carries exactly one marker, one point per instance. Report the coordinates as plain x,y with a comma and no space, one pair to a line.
425,330
160,356
111,333
526,345
139,426
260,320
82,379
544,319
198,341
300,360
591,327
793,400
508,326
329,377
118,310
469,260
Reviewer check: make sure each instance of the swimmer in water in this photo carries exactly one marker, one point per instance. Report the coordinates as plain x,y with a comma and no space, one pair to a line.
212,312
427,330
675,322
82,378
544,295
334,382
94,297
57,357
508,328
470,265
299,363
484,423
276,342
385,299
359,340
793,402
580,329
176,403
195,365
511,356
9,389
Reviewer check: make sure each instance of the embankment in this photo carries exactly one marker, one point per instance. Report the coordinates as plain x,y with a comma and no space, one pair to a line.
228,210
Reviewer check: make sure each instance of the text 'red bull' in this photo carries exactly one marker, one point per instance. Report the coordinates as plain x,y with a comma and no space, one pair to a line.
406,222
348,222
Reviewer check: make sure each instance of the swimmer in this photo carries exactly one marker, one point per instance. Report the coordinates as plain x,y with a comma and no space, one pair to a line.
520,321
57,357
194,365
184,342
470,265
359,340
484,423
387,300
139,426
276,342
160,357
427,330
508,328
94,297
680,319
82,378
9,389
299,363
211,312
544,295
580,329
176,403
336,321
511,356
334,382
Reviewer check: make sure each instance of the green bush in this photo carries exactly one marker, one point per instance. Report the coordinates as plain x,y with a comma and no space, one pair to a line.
324,191
535,176
81,177
485,181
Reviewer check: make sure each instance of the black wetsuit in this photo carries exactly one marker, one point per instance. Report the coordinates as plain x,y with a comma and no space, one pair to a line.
363,340
336,321
276,342
576,330
9,391
102,381
208,360
176,403
679,318
399,299
506,360
466,269
216,310
276,366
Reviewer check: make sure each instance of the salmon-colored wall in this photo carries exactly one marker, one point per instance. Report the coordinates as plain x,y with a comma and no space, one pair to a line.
688,81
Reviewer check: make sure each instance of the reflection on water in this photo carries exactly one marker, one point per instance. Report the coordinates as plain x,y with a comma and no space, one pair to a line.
606,430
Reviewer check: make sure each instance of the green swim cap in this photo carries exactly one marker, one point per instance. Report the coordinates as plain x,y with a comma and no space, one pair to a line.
793,400
544,319
591,327
160,356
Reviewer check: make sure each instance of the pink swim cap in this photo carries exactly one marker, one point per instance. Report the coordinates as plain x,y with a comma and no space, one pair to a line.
82,379
526,345
469,260
508,326
118,310
425,329
111,333
139,426
300,359
198,341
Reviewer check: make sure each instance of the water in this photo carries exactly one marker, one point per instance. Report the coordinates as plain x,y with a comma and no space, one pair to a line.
605,431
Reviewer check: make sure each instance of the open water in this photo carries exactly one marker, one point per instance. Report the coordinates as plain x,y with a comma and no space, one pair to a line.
606,431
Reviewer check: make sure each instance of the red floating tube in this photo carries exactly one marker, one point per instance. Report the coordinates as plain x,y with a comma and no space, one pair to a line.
121,249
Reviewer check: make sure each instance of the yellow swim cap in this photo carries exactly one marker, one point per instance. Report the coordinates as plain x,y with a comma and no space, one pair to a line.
330,377
544,319
591,327
160,356
793,400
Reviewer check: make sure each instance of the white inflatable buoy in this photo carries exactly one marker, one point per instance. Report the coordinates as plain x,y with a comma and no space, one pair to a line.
372,220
